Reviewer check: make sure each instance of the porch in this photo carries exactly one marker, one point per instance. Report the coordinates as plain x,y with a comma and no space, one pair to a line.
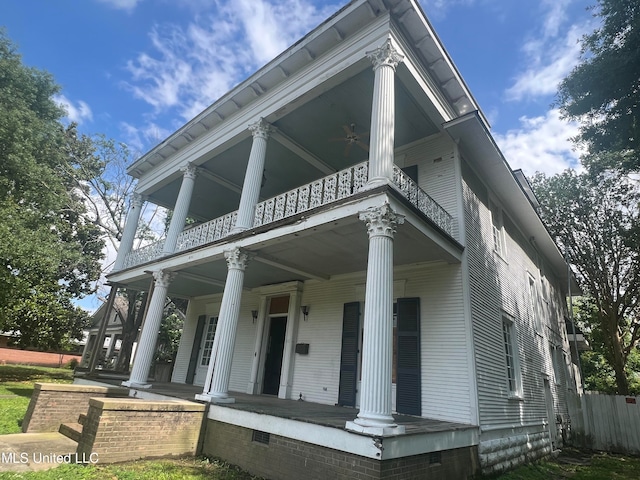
314,423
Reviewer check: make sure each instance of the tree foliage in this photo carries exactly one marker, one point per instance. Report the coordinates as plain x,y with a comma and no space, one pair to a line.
603,91
49,254
595,220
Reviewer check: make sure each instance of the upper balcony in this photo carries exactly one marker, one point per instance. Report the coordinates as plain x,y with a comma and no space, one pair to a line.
309,197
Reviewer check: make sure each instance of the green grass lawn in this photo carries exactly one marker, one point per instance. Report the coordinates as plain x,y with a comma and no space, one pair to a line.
602,467
16,388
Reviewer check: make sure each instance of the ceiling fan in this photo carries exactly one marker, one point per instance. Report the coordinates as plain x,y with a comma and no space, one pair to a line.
352,138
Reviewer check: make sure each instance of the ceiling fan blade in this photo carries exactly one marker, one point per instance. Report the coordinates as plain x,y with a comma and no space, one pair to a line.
347,129
336,139
347,149
365,134
363,145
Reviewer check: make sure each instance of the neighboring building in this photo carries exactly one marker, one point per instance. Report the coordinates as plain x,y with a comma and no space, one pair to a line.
112,339
361,242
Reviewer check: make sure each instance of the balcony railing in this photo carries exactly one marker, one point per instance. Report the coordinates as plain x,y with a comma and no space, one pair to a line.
337,186
144,254
422,201
342,184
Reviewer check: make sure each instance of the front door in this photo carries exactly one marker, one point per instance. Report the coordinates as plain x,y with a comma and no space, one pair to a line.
206,351
273,360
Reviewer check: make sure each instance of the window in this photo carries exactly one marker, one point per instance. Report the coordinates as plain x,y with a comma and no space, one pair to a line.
207,347
556,360
534,304
498,229
514,380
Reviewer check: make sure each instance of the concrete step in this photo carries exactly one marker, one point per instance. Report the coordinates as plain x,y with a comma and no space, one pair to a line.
71,430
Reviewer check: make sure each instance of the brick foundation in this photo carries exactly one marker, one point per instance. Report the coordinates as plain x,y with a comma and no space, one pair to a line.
53,404
284,459
118,430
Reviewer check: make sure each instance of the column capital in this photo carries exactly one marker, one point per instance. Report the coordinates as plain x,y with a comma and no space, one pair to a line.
386,55
237,258
381,221
163,278
261,129
189,171
137,199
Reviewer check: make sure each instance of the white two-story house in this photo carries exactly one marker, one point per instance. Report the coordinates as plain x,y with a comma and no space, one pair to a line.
361,247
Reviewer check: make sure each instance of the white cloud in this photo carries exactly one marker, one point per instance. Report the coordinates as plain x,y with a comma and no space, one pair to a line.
138,139
128,5
192,66
541,144
438,8
78,112
550,54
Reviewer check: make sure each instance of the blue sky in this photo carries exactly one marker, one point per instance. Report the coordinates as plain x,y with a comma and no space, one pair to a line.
136,70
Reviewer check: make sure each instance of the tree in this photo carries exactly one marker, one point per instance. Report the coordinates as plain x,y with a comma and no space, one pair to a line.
603,91
597,372
49,255
595,220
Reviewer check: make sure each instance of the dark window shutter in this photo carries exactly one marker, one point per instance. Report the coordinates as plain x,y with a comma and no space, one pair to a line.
195,350
349,355
408,383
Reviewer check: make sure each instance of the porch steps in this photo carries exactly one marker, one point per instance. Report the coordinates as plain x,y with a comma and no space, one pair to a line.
71,430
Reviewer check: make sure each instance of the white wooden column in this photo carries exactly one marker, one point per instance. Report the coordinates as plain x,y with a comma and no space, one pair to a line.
225,339
375,416
130,228
253,176
181,208
385,59
149,336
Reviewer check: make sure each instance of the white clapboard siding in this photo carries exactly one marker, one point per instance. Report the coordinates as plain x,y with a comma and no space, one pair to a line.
604,422
499,284
446,375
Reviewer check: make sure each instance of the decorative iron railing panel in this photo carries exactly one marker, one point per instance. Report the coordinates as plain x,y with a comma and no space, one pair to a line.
323,191
422,201
144,254
206,232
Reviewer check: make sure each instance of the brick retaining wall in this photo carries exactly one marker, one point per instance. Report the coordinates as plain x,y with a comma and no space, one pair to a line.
28,357
118,430
287,459
53,404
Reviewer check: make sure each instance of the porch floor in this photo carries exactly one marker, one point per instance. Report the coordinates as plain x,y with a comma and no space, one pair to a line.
315,413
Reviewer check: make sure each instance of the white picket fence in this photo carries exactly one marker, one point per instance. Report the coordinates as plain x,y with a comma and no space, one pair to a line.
609,423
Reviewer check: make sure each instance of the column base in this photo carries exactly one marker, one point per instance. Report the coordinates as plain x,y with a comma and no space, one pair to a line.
205,397
132,384
376,182
378,430
236,230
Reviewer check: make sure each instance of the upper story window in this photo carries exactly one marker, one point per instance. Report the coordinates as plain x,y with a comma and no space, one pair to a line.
557,359
497,228
534,304
510,340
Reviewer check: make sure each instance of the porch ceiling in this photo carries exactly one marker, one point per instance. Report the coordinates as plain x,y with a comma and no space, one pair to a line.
311,142
330,249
